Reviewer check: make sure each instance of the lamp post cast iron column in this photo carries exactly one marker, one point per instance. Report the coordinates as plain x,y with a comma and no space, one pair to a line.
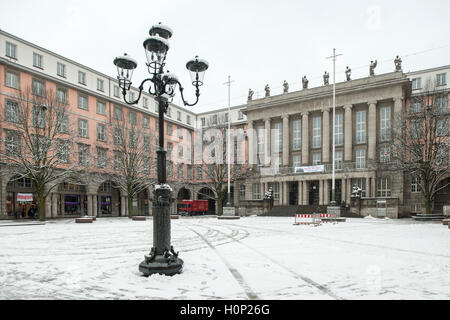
162,258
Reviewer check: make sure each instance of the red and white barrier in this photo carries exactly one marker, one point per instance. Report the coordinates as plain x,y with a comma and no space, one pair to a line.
314,218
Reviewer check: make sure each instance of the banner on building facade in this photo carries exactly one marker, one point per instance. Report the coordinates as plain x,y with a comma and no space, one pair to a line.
24,197
310,169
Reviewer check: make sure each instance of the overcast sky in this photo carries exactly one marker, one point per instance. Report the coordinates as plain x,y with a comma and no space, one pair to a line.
255,42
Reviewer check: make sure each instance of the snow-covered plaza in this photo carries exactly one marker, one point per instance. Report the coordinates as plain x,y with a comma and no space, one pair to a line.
251,258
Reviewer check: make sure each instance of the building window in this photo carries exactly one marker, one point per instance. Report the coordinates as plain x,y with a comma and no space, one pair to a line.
12,143
12,111
117,161
62,123
385,156
296,134
180,151
132,117
338,160
316,132
188,119
38,87
145,102
339,132
296,161
146,143
82,101
278,137
441,127
37,60
178,115
226,117
131,96
169,150
101,132
38,117
63,149
81,77
385,123
61,69
11,50
61,95
118,136
416,107
116,92
180,172
360,158
169,129
12,79
180,133
242,191
441,104
256,191
146,122
203,122
83,128
100,85
101,157
361,127
199,172
169,112
441,79
416,129
416,208
384,187
316,158
416,84
83,155
415,184
240,115
118,113
146,164
101,107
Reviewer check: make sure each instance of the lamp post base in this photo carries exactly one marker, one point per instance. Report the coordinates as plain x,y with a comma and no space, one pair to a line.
161,265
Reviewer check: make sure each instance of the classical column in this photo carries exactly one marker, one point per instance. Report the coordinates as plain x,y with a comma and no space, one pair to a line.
300,192
267,139
372,130
305,138
373,188
54,205
89,204
48,207
285,140
343,190
305,193
368,191
320,192
122,206
286,193
4,183
94,205
349,190
326,193
251,135
326,136
348,133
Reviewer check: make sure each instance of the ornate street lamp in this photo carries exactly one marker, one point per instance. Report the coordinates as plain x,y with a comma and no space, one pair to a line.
162,259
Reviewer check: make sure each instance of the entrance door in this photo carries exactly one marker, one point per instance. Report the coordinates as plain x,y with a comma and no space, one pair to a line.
314,193
293,193
337,191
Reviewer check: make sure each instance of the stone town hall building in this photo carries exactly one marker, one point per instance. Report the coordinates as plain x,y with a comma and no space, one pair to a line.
286,134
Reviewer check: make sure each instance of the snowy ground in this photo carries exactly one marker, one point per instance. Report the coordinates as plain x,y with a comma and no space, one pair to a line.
250,258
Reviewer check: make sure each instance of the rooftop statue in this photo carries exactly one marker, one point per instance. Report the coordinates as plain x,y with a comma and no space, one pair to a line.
348,73
373,65
285,87
398,64
267,89
305,82
326,78
250,94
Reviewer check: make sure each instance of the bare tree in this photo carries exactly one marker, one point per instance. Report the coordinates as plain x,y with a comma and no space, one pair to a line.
215,160
132,164
38,140
421,142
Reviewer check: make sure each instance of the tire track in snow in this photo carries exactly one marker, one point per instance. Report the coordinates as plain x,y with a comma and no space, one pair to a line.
239,278
296,275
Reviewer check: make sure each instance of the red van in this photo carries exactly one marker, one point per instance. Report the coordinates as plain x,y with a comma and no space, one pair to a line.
192,207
